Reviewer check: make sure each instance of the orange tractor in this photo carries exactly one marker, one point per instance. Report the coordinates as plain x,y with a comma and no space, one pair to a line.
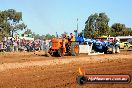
61,47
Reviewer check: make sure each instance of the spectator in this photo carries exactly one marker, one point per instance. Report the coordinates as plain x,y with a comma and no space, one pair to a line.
15,45
8,45
46,47
42,44
33,45
50,44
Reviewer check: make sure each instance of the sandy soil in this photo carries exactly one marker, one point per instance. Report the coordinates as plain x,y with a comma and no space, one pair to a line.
34,70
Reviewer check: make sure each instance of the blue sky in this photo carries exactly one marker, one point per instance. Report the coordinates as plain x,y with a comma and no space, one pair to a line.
51,16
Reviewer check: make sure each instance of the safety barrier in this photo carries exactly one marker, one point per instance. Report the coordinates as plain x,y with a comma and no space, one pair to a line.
86,49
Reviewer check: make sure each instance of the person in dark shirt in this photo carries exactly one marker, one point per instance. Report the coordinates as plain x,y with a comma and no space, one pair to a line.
8,45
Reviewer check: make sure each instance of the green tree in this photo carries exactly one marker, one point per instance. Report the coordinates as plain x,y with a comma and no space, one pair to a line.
90,25
48,36
36,36
10,22
53,36
102,24
118,29
28,31
96,25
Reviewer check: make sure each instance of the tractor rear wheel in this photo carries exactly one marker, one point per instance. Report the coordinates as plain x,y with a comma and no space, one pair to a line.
74,49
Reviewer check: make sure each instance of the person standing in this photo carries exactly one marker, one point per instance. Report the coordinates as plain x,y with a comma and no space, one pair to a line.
42,44
46,47
33,46
50,43
15,45
8,44
72,37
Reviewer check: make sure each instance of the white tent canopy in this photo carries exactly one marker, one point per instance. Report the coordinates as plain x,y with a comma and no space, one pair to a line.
27,38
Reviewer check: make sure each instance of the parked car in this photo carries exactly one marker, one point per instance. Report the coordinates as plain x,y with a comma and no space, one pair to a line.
125,45
129,40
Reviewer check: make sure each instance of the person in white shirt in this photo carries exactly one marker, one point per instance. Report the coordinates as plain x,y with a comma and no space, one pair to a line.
46,47
15,45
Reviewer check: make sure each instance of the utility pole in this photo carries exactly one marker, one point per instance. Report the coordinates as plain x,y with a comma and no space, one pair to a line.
77,26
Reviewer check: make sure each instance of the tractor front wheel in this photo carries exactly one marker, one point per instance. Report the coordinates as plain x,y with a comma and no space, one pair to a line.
61,52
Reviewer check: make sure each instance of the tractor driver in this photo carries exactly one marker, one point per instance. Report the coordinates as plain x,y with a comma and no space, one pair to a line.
72,37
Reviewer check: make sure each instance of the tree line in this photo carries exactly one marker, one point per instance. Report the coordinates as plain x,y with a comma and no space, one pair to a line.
98,25
38,36
95,26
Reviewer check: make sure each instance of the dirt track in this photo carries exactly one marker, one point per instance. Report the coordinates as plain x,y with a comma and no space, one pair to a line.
29,70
